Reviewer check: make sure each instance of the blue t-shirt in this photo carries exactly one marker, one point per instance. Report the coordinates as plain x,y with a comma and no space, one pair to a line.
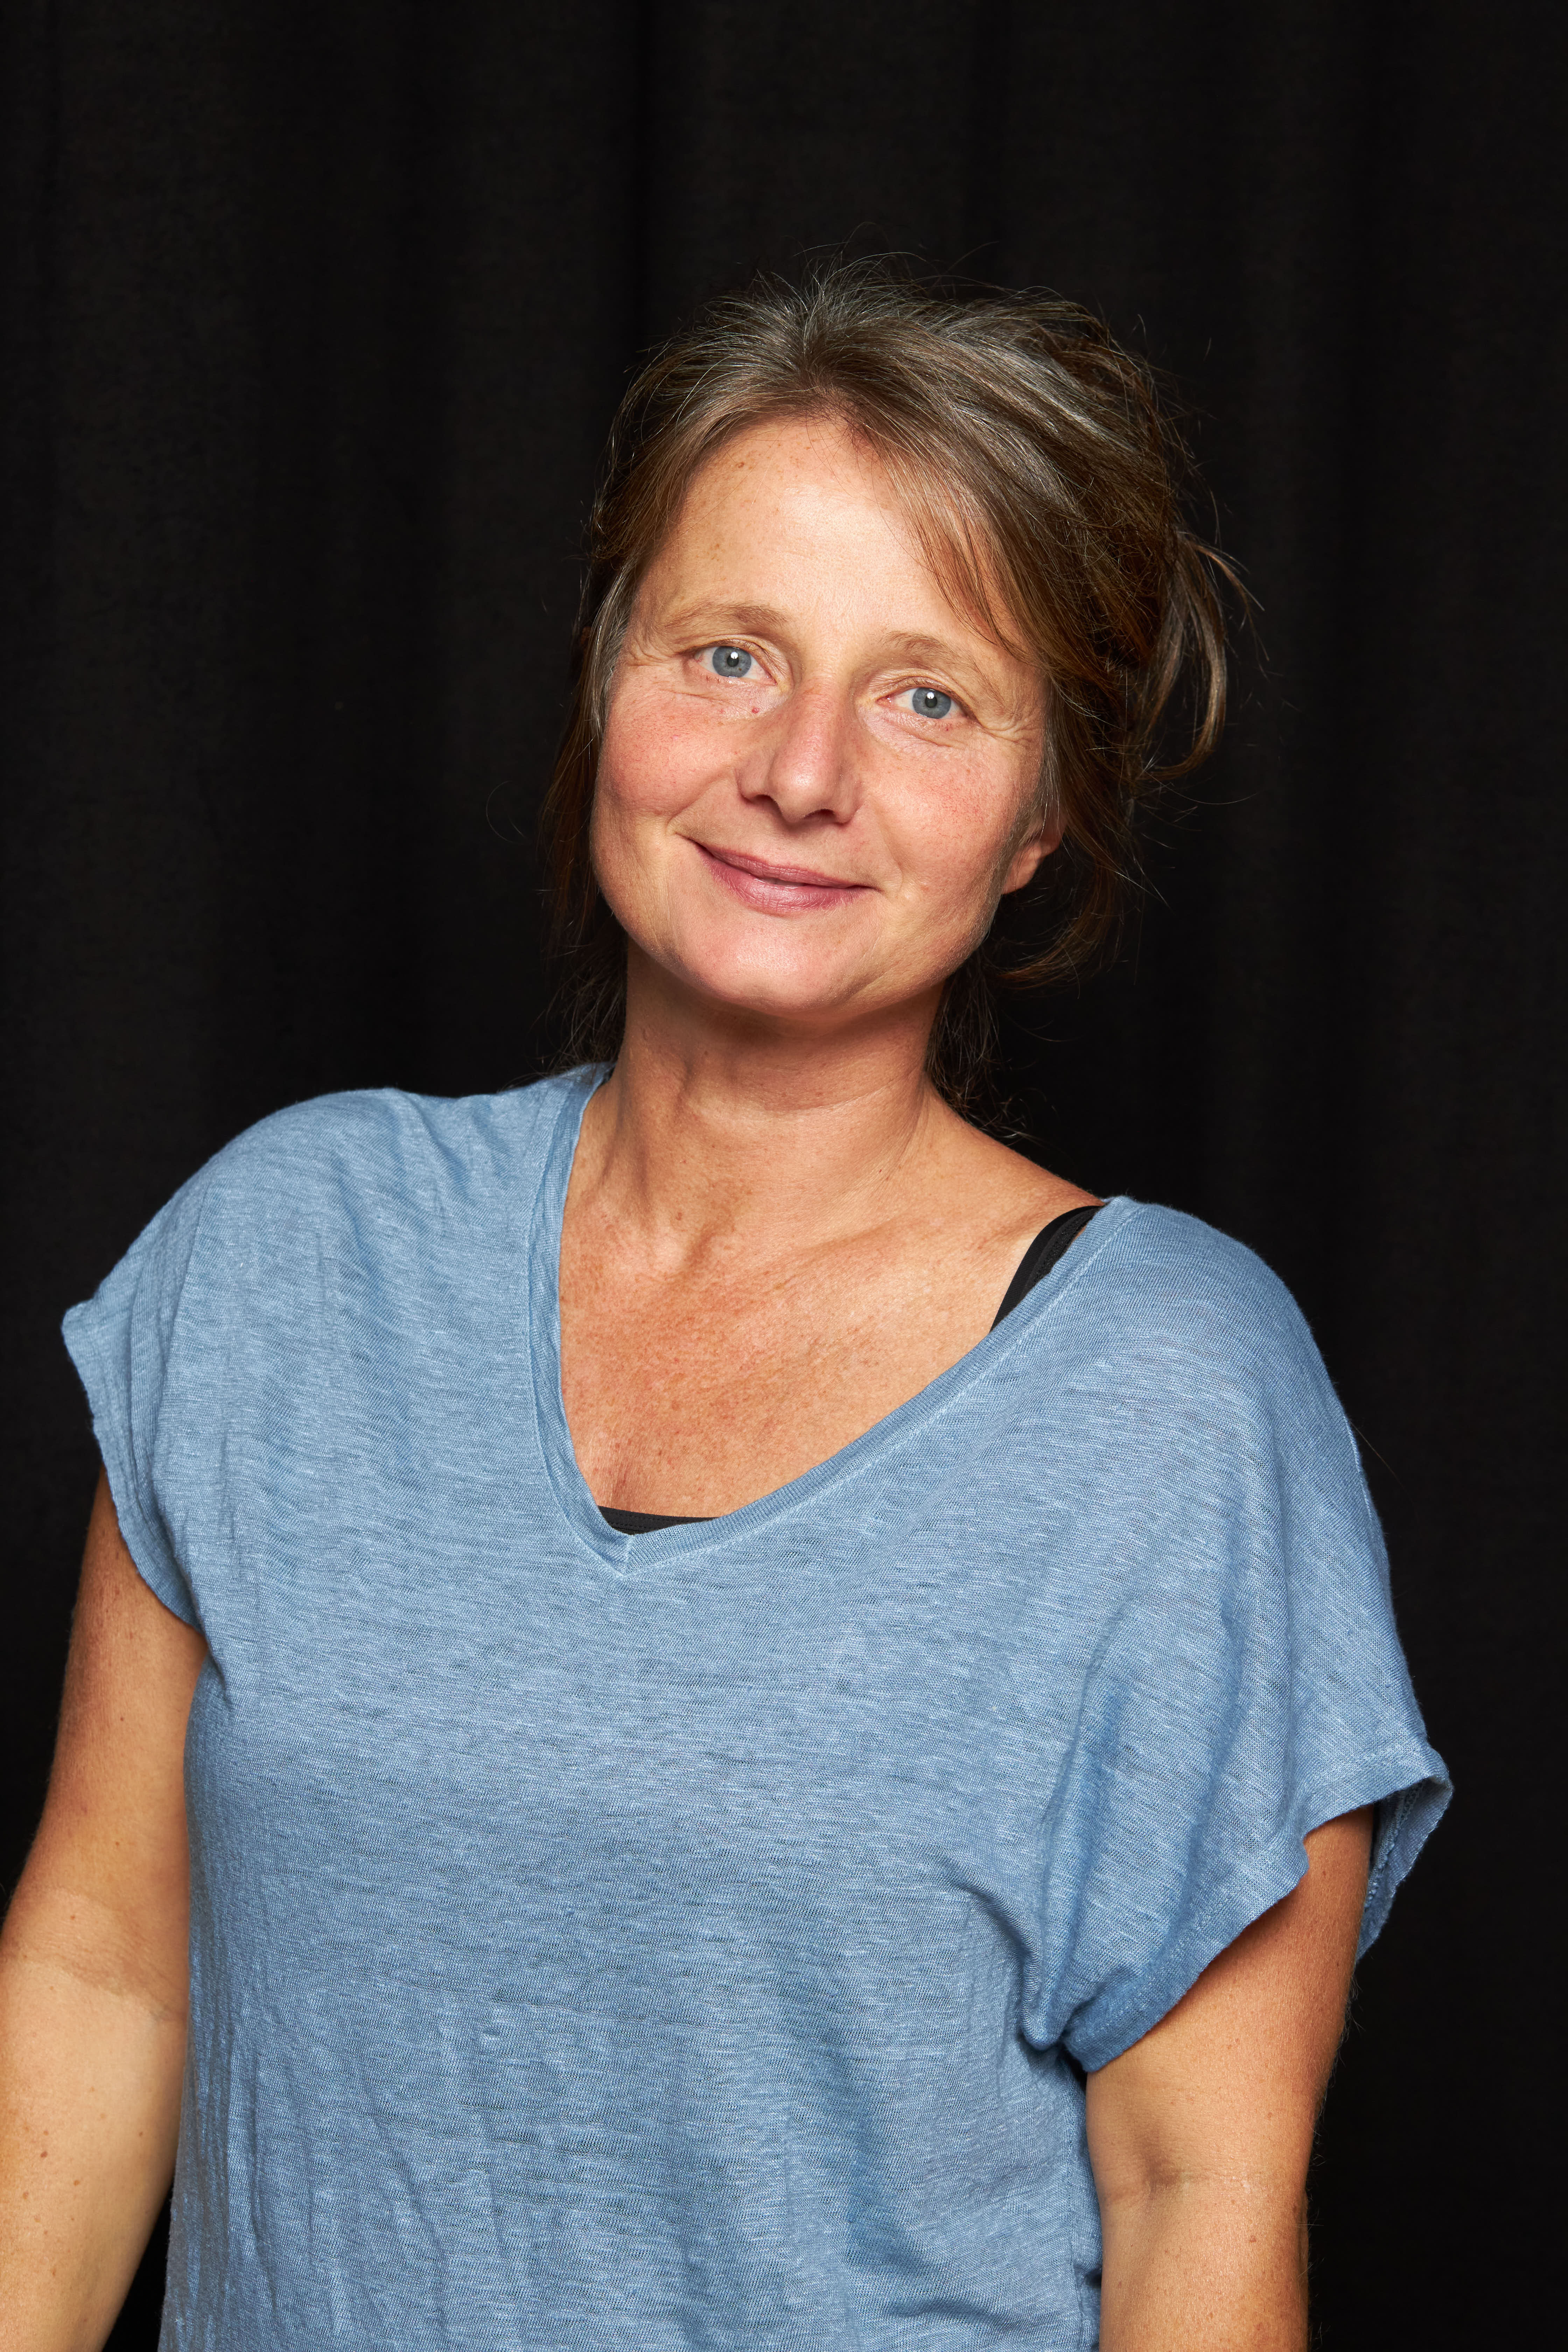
695,1938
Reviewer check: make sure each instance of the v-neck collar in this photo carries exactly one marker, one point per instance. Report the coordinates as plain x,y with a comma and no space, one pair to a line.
570,1489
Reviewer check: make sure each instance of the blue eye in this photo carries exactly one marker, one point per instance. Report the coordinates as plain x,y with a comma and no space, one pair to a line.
929,702
728,661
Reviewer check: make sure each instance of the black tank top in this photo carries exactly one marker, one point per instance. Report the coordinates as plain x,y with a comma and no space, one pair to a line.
1051,1242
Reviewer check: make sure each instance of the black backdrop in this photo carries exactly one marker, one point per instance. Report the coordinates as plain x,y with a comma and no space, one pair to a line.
314,316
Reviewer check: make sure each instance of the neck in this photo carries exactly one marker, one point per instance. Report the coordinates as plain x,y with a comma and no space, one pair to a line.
715,1123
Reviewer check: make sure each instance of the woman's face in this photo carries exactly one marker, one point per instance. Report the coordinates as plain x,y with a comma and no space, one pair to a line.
817,775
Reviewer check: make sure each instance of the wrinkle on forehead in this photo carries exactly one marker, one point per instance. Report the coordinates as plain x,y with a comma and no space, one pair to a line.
951,537
944,533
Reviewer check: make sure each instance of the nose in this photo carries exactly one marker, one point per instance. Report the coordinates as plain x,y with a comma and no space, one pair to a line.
806,763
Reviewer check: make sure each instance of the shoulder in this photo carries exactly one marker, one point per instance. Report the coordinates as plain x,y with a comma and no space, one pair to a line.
1187,1403
383,1146
1168,1307
349,1176
1188,1278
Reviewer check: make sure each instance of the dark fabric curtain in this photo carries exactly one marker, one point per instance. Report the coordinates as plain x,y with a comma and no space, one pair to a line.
314,321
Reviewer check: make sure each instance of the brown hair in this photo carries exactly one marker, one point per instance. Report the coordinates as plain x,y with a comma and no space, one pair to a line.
1047,489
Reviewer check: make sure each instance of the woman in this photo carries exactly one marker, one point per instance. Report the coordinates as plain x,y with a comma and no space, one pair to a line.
736,1795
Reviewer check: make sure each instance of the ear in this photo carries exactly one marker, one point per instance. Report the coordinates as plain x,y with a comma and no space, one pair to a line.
1031,854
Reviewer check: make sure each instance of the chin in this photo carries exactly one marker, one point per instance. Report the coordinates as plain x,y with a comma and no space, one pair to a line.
824,995
770,998
773,988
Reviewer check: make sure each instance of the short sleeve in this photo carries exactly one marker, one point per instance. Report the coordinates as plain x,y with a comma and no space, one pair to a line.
1247,1682
124,1342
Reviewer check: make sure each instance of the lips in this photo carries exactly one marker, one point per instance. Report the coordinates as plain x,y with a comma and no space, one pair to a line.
765,871
772,889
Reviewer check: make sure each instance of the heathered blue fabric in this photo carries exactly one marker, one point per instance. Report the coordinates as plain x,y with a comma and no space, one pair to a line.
680,1940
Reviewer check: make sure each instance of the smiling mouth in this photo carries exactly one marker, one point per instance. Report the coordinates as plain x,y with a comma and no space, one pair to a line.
776,889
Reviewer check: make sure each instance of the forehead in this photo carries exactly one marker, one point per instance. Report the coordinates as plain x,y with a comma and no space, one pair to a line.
808,495
778,483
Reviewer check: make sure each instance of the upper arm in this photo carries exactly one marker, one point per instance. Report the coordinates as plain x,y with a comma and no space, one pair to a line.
106,1890
1229,2083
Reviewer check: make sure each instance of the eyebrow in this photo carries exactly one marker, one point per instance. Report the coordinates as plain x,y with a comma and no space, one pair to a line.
917,648
756,620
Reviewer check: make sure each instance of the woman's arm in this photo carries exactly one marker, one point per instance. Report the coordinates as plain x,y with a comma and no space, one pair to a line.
93,1968
1200,2134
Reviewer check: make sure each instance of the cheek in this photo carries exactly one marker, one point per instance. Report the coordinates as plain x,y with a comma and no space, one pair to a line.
651,769
629,768
657,752
960,838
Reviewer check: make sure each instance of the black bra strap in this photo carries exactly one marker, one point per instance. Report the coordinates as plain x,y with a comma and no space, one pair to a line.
641,1523
1051,1242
